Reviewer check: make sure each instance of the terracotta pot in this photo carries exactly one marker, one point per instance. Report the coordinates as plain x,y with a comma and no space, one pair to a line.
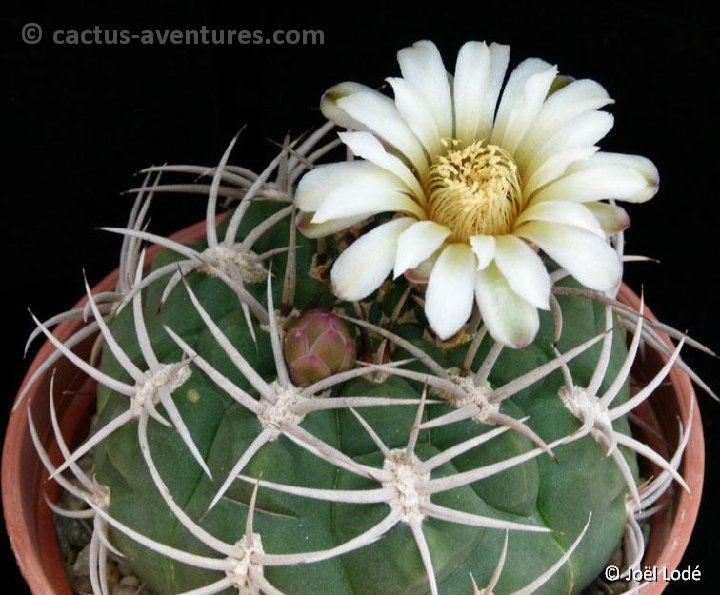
28,519
671,527
24,479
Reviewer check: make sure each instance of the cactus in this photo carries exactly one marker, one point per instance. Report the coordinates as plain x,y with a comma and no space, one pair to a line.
255,434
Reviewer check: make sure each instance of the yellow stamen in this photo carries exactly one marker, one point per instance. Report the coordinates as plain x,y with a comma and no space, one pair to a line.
475,190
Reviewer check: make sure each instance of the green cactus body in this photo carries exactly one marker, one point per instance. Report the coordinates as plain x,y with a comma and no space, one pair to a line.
558,495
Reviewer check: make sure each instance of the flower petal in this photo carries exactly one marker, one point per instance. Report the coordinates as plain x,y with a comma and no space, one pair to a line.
417,243
562,106
484,249
508,317
421,273
365,145
472,71
380,115
304,223
584,129
562,211
449,295
555,166
422,66
356,200
524,270
362,267
584,255
556,154
590,181
638,163
499,60
319,182
522,99
612,219
416,112
330,109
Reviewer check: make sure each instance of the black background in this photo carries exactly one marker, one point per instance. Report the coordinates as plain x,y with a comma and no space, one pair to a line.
78,121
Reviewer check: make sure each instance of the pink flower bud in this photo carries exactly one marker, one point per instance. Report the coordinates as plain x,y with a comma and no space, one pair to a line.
318,344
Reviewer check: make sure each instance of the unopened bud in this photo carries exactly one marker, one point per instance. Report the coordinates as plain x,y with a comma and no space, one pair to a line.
318,344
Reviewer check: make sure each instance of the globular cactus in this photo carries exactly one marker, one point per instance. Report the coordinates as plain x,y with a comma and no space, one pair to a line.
255,434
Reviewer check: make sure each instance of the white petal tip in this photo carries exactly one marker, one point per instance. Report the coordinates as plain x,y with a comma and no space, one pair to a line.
340,293
445,333
522,343
329,103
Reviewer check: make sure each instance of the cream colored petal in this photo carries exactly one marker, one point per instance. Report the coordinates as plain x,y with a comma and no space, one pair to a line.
357,200
362,267
377,114
330,109
588,258
484,249
417,114
472,74
522,99
365,145
555,167
612,219
579,137
315,186
417,243
596,182
303,221
638,163
509,319
499,60
449,295
524,270
421,273
561,211
422,66
585,129
562,106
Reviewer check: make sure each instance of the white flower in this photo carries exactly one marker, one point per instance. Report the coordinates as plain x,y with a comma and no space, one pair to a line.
480,182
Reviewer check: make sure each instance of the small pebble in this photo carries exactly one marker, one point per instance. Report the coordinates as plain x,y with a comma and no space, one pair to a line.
130,581
124,590
81,566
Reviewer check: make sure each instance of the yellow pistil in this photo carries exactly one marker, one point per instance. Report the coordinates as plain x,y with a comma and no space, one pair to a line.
475,190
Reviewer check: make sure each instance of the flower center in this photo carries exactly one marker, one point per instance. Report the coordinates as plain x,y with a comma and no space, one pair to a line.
475,190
